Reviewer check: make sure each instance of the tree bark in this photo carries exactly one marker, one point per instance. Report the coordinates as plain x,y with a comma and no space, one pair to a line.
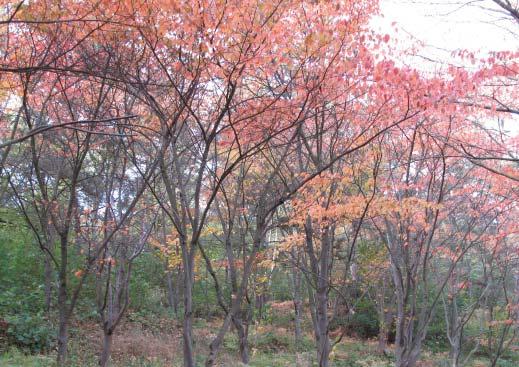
243,337
107,349
187,332
235,309
383,333
455,350
48,282
62,306
298,306
323,341
172,294
214,347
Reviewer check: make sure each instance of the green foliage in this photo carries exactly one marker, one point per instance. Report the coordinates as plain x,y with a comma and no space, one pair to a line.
358,354
32,333
270,360
363,323
231,343
21,289
436,338
147,291
507,363
15,358
21,267
280,286
272,342
204,298
276,317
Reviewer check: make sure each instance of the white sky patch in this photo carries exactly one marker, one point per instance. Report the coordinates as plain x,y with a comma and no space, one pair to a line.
440,27
443,26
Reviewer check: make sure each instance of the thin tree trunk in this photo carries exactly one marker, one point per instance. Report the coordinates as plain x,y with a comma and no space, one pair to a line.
243,334
455,351
409,359
62,341
319,303
217,342
107,349
187,331
382,340
238,293
48,282
62,337
323,341
298,305
384,331
454,329
172,296
62,306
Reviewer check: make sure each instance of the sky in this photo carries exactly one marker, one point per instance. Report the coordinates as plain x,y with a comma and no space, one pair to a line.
443,26
446,25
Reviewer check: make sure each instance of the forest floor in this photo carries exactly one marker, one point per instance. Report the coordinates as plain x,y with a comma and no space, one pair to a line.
143,342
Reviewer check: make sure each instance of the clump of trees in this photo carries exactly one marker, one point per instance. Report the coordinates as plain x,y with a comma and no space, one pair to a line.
245,140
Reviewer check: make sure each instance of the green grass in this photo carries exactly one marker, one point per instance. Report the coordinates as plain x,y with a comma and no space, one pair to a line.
15,358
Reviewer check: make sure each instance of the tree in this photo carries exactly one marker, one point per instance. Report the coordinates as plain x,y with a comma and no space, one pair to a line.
244,120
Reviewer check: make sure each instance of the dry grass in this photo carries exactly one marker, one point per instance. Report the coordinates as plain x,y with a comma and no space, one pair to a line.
131,341
159,343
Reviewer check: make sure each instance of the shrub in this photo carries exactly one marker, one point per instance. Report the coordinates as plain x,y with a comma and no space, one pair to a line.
271,342
363,323
436,338
33,333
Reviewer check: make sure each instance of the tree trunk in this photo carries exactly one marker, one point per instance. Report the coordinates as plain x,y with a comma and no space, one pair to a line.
382,340
217,342
298,306
235,309
455,351
48,282
384,332
62,340
454,329
187,332
407,354
107,349
62,306
172,296
410,359
385,315
243,337
323,341
320,266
